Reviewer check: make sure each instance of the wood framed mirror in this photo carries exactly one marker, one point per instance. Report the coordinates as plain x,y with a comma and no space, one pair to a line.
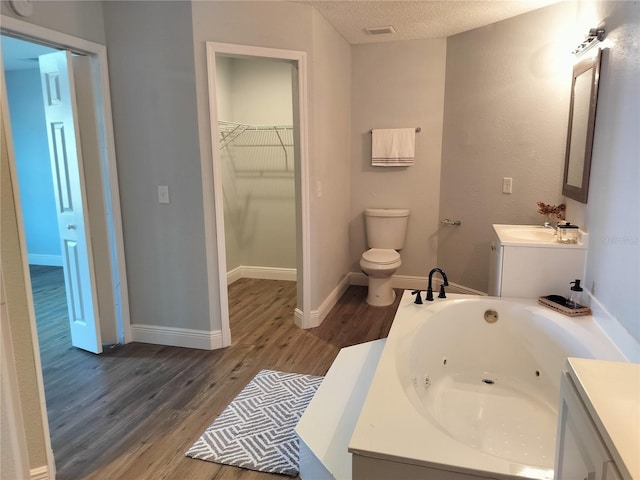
582,118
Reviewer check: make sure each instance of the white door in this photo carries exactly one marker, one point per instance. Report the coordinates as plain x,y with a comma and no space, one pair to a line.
66,164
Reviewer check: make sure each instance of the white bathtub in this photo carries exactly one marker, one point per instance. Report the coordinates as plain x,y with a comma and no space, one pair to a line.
456,397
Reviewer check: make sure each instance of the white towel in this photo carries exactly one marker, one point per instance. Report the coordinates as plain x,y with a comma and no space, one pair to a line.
393,147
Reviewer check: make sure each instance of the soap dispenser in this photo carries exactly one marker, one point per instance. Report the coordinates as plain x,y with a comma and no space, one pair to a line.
576,295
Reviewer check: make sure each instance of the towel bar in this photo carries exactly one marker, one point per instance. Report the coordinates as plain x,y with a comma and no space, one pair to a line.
418,129
451,223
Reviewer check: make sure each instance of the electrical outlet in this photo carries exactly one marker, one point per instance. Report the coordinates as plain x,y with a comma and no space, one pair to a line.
507,185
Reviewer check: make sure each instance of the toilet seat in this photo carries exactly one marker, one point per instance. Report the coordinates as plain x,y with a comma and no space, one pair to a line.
381,256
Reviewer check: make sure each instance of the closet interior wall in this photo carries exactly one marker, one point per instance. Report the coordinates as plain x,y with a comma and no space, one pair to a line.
256,140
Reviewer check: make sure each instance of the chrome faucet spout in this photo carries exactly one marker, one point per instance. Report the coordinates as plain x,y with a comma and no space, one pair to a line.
445,282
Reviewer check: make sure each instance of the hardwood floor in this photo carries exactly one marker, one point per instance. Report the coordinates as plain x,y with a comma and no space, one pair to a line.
132,412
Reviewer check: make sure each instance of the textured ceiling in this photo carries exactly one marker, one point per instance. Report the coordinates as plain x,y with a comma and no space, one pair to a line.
411,20
417,19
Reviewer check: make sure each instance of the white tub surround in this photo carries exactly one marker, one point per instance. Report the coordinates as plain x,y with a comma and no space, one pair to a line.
328,422
455,397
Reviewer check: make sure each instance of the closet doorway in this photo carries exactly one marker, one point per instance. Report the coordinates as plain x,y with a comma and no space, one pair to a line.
256,142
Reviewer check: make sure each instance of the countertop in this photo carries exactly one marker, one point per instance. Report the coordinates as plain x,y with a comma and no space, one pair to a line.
611,393
535,236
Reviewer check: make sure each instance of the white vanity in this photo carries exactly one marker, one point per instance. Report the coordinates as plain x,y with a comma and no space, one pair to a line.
599,421
527,261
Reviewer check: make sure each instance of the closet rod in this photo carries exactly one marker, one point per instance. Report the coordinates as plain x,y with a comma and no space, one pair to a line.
418,129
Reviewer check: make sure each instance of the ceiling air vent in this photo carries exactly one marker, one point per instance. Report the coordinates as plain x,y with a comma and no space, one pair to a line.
380,30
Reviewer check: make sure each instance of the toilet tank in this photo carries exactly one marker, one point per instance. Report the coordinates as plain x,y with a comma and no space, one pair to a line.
386,227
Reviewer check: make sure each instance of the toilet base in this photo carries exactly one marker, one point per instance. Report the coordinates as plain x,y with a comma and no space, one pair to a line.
380,292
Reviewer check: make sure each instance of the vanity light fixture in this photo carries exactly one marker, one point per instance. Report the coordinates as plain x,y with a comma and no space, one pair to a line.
595,36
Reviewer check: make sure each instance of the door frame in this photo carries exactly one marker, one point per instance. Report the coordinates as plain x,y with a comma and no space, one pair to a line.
216,210
98,54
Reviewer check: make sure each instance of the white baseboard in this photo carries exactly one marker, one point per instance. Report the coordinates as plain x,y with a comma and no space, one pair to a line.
265,273
176,337
333,298
311,322
407,282
39,473
234,275
316,317
49,260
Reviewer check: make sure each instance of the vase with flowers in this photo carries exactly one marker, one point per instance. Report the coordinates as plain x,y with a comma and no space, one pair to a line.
551,211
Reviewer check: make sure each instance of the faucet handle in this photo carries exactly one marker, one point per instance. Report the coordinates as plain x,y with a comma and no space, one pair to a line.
418,297
442,293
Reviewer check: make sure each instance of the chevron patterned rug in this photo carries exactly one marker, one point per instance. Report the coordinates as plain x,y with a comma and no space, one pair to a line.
255,431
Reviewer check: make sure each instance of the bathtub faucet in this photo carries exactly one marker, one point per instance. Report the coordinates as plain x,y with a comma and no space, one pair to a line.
430,287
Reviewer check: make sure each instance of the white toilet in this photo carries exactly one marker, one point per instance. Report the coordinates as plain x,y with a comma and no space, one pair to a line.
386,232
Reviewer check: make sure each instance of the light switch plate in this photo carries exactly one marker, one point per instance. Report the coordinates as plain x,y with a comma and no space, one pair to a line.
507,185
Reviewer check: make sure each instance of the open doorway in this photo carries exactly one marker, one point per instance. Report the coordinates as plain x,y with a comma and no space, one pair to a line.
46,110
260,170
256,145
99,177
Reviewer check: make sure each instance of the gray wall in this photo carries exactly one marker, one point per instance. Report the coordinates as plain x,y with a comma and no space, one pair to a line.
260,222
398,84
506,111
612,214
152,78
76,17
297,27
330,160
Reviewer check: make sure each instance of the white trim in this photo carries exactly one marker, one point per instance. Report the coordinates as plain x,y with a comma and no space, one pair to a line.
265,273
111,192
212,196
333,297
16,455
234,275
316,317
27,276
39,473
212,189
177,337
48,260
311,320
98,54
407,282
456,288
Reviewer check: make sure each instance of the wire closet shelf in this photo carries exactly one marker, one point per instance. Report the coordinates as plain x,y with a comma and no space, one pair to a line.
257,150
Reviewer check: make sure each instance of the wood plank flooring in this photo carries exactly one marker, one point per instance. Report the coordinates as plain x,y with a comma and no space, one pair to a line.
132,412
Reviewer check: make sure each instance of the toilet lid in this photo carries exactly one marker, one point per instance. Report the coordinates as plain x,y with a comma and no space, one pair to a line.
381,256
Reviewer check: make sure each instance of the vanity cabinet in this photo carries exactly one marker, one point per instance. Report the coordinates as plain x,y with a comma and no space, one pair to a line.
598,421
526,261
580,451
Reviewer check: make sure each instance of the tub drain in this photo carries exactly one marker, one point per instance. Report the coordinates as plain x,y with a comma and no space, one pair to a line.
488,381
491,316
